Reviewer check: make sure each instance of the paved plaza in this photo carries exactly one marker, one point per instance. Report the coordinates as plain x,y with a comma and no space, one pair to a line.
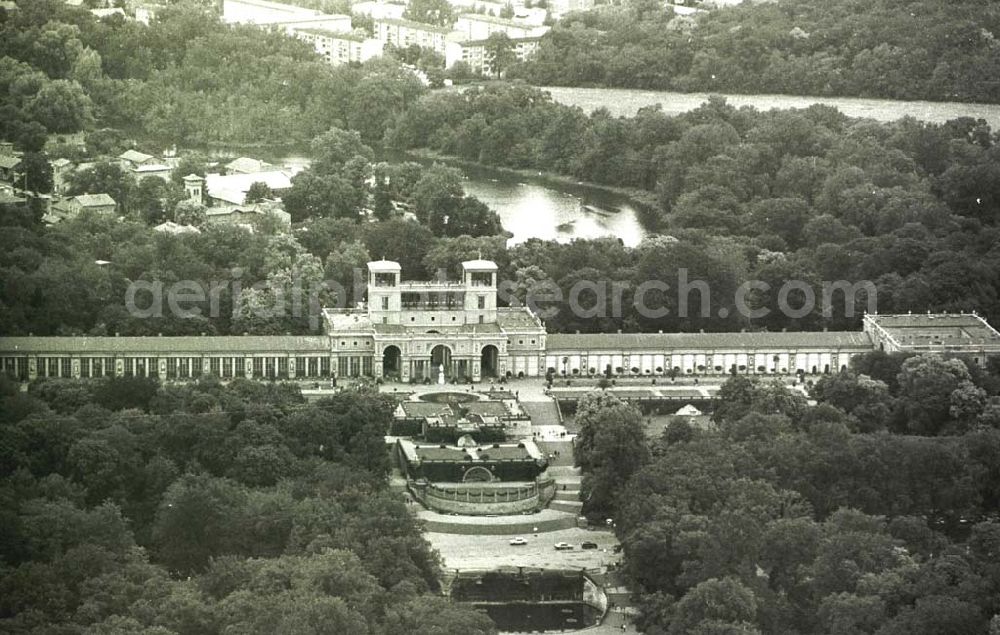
465,552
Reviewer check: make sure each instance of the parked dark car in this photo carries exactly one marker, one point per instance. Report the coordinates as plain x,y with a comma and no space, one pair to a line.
589,545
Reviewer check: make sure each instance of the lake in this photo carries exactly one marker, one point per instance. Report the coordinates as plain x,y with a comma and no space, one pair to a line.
536,208
539,208
625,103
561,213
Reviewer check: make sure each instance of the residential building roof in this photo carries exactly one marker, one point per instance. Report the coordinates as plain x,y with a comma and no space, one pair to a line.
670,341
134,156
232,210
103,13
247,165
279,6
9,161
514,40
378,9
232,188
8,197
484,17
417,26
94,200
61,162
335,35
151,167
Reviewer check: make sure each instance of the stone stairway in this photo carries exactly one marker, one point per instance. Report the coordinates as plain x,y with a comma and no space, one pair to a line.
567,498
542,413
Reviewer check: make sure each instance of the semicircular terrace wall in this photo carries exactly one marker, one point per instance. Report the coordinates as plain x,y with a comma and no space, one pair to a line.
485,499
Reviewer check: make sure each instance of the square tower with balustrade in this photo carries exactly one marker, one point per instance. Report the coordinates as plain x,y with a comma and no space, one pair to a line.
435,330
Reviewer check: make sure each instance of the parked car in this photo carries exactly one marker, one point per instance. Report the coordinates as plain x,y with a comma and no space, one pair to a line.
563,546
589,545
519,541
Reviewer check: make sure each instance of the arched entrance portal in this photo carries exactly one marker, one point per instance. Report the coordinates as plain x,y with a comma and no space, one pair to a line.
488,361
440,358
391,362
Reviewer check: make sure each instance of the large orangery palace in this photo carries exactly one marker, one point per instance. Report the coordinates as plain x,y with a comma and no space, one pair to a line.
453,329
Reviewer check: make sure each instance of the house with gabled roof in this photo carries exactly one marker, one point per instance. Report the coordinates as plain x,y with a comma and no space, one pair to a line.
248,214
131,159
247,165
231,189
71,207
9,165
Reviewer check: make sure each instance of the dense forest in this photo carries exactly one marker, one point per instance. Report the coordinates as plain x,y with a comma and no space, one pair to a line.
184,81
740,195
788,195
833,519
130,507
900,49
801,194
